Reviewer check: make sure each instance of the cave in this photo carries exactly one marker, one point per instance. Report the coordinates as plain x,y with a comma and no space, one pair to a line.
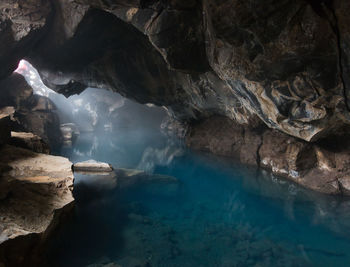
174,133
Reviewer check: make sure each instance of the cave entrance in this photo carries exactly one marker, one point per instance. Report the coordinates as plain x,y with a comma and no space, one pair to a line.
98,117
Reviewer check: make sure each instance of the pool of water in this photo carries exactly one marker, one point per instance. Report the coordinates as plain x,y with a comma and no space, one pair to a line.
218,213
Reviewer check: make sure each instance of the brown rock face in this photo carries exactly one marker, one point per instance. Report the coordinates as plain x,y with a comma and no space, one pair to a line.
223,137
321,166
35,189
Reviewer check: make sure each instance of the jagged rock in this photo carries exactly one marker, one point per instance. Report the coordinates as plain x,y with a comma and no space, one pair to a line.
92,166
35,192
29,141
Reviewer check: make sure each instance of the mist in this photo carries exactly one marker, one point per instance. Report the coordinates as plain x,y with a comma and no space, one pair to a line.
130,133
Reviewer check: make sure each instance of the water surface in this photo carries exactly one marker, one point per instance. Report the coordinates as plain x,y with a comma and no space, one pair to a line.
218,214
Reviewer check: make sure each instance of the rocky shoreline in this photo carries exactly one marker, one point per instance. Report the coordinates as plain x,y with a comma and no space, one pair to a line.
321,166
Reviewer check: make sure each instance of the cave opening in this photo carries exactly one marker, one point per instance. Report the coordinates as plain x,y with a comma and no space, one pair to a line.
94,115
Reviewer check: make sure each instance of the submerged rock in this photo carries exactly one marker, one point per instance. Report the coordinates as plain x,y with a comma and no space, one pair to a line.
35,192
92,166
131,177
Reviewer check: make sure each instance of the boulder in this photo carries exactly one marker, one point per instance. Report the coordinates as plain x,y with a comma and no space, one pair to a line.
92,166
35,194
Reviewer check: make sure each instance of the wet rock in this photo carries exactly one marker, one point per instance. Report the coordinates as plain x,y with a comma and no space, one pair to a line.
29,141
319,166
92,166
36,191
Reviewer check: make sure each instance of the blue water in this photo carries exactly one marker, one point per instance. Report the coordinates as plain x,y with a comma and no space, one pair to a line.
217,214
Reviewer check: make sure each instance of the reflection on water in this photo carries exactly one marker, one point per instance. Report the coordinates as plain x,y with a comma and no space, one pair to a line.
218,214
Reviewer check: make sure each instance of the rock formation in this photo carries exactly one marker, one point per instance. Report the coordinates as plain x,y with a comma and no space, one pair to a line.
32,113
284,62
35,190
321,166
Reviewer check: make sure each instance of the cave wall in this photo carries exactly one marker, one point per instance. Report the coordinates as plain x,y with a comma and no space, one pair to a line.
281,63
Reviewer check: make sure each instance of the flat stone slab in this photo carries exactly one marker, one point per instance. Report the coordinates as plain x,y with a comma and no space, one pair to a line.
92,166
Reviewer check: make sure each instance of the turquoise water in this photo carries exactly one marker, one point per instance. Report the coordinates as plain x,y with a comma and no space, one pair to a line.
217,214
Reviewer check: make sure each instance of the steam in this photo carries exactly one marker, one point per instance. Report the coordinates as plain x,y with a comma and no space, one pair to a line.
129,133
